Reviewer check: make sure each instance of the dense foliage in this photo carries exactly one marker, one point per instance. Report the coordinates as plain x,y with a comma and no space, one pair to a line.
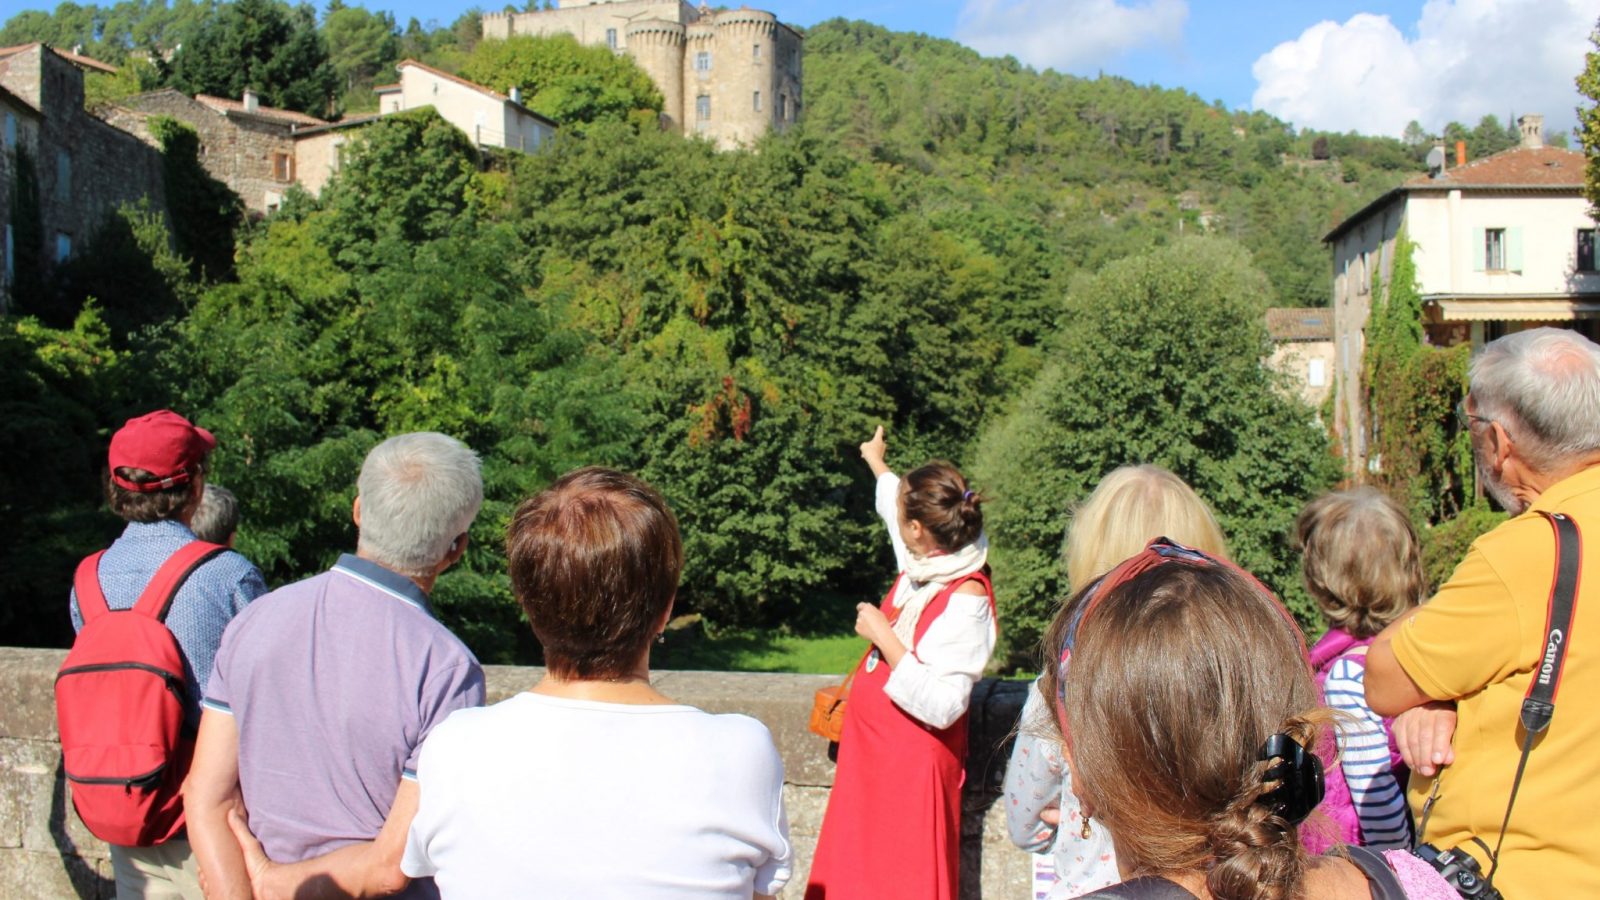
261,45
1588,82
975,254
1162,365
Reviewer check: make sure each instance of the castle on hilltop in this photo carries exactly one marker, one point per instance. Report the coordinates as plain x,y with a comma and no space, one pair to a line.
730,75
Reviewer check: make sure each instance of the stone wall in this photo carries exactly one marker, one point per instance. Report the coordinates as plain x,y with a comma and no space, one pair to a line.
249,154
86,168
46,853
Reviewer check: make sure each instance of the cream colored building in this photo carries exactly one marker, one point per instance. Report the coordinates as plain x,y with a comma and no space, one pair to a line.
490,118
1302,349
730,75
1501,244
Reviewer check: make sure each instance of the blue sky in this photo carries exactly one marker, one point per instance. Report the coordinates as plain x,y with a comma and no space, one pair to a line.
1364,65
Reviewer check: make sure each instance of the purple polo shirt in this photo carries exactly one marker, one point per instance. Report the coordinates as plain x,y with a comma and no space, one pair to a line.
333,683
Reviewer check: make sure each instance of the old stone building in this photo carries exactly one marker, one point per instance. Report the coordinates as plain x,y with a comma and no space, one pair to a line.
247,146
66,171
730,75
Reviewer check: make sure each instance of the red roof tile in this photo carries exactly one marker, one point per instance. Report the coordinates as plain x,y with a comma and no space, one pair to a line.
1544,167
224,105
77,59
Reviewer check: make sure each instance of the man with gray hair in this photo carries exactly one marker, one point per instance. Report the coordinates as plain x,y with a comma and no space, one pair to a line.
1465,660
321,698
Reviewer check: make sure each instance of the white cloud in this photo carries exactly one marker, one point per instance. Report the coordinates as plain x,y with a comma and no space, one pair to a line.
1468,58
1069,35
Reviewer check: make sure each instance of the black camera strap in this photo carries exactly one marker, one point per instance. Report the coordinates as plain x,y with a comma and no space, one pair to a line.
1539,706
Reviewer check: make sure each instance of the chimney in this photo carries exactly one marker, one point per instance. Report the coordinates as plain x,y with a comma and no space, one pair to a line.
1461,153
252,101
1532,128
515,94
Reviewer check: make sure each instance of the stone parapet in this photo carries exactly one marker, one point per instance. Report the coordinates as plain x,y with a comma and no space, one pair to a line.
45,852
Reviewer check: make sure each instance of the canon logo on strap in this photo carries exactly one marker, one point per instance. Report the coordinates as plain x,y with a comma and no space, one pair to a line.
1548,669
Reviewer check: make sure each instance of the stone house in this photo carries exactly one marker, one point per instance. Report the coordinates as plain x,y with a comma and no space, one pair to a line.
1501,244
245,145
19,139
317,148
730,75
490,118
1302,349
82,169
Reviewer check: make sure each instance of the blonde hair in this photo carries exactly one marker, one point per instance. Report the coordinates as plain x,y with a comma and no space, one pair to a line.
1361,559
1130,507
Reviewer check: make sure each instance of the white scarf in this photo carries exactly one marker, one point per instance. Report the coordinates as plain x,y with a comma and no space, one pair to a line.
925,576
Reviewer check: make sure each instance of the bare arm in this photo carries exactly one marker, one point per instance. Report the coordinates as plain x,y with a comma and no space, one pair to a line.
368,869
210,791
1390,689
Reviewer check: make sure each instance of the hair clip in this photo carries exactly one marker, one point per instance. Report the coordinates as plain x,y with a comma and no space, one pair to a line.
967,496
1299,776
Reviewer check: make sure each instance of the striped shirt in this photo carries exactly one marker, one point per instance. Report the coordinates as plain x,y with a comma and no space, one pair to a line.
1379,799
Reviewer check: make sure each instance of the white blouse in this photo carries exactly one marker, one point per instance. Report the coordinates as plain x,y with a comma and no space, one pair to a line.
934,682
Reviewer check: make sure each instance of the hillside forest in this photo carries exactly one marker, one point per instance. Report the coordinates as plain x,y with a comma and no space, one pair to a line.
1037,276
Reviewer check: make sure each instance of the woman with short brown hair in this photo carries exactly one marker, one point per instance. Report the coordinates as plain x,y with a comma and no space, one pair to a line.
593,784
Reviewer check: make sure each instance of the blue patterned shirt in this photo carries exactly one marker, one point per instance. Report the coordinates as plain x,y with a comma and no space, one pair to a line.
216,591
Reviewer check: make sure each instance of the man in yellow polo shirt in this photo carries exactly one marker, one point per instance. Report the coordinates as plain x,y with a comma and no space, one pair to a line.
1534,414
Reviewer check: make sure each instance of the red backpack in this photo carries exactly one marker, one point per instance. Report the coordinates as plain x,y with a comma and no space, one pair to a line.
120,699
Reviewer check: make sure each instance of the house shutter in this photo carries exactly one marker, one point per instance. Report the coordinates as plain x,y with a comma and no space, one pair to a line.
1514,249
1479,248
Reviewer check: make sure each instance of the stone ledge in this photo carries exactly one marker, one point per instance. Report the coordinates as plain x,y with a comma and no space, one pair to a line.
46,852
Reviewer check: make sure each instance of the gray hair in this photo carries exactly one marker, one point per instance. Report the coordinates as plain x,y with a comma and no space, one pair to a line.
1543,386
217,517
418,493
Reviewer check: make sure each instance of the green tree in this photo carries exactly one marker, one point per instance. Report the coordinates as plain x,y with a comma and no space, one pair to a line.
1588,131
264,45
361,44
560,78
1163,365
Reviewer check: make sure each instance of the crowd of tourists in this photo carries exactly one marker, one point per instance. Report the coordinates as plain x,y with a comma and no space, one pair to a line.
1182,740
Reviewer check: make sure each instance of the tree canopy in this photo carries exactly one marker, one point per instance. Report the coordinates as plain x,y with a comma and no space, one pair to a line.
567,81
263,45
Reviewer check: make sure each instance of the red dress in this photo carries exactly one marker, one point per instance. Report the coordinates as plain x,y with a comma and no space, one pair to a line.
893,825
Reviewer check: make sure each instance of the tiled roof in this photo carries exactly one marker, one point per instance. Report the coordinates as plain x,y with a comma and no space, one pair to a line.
1300,323
77,59
1520,167
385,88
224,105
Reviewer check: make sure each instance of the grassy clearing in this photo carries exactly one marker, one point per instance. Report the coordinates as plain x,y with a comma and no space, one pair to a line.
749,651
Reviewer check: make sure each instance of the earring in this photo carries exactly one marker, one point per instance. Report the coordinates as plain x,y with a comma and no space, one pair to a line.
661,637
1085,834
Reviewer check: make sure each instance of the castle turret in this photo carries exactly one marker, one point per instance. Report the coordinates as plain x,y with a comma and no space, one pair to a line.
746,78
701,106
657,46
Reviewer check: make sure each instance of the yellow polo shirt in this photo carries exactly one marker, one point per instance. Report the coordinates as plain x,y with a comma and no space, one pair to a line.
1478,642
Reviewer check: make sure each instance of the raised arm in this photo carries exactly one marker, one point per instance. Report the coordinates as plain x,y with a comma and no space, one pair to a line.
873,451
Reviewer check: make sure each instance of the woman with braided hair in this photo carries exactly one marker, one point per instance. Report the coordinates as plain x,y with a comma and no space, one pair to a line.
1186,715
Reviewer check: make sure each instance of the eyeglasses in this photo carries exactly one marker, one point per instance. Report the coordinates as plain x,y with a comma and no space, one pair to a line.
1466,418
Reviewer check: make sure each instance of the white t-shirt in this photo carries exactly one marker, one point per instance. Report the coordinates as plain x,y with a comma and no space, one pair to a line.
541,796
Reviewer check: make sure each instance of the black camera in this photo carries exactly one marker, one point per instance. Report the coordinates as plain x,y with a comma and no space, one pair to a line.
1459,870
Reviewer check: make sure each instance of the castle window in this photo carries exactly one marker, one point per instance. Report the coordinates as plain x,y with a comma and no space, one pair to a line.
611,38
783,107
755,52
63,246
282,167
11,131
702,107
702,61
755,101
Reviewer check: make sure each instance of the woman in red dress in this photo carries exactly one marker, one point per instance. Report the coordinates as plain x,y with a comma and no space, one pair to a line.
893,824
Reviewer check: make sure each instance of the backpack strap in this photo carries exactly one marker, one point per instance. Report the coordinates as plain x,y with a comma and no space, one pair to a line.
1382,880
86,584
157,597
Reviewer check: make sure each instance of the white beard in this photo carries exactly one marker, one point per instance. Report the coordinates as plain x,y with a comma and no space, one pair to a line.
1496,488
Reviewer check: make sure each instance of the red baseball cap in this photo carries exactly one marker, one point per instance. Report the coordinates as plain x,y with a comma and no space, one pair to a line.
162,443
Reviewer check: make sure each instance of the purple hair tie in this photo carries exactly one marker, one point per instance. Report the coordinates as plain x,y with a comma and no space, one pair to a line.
967,496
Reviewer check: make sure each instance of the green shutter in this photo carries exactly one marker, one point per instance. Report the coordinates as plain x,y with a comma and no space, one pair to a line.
1514,249
1478,249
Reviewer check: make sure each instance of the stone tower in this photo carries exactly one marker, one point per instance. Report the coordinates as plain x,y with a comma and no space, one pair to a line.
729,75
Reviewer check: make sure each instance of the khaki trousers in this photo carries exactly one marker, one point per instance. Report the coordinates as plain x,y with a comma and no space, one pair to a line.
164,872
